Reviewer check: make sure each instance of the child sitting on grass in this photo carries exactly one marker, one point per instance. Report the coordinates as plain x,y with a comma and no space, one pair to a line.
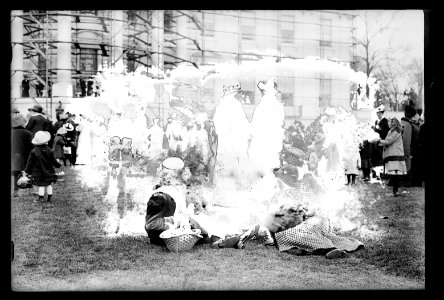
40,165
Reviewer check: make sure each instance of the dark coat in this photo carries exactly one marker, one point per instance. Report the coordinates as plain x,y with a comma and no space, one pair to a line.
21,146
58,147
159,206
40,165
366,154
38,123
383,127
376,149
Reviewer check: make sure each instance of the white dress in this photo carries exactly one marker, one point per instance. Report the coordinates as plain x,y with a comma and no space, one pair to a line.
84,147
267,133
233,130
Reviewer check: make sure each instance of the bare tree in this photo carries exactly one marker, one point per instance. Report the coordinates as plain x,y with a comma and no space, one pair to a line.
372,55
416,77
388,77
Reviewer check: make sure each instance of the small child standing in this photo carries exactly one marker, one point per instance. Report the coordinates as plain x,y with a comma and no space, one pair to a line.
40,165
365,151
352,164
59,143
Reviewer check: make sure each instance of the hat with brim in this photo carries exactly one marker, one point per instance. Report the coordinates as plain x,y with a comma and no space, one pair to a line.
173,163
68,126
36,108
41,137
62,130
380,108
18,120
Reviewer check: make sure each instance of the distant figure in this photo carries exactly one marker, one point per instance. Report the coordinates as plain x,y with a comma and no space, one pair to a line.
39,89
82,87
25,88
366,162
90,89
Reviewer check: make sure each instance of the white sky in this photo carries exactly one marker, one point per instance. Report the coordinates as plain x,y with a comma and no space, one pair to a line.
406,29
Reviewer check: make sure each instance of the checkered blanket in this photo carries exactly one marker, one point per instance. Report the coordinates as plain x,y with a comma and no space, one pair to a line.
315,233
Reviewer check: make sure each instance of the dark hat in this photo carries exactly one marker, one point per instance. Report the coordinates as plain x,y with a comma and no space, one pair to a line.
409,111
381,108
37,108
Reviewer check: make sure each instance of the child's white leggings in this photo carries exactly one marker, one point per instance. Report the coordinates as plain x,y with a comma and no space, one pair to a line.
48,190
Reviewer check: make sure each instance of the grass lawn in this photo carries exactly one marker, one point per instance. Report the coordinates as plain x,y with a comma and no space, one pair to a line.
62,246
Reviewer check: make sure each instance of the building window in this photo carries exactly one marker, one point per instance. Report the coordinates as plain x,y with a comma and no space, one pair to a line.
324,92
248,25
88,12
287,99
168,19
88,61
325,33
209,27
287,29
286,85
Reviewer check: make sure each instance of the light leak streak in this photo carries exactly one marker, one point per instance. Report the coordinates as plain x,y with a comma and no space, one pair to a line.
117,111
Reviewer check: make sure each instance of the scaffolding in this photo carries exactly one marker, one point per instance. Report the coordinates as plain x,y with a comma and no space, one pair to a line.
40,41
94,42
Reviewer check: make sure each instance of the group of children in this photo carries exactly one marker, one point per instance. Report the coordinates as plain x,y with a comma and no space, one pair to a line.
41,163
43,160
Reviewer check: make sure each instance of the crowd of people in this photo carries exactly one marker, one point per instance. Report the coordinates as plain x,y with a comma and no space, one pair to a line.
40,146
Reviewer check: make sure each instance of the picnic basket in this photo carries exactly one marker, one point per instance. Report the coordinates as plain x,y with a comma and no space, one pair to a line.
24,182
180,240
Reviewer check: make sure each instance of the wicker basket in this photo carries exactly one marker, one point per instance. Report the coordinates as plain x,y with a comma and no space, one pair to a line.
181,243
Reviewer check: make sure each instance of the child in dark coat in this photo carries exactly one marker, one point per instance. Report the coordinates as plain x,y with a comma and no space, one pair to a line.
365,151
40,165
59,143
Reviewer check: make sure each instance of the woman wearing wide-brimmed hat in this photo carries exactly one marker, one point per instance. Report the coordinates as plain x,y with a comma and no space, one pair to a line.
37,121
167,201
40,165
21,146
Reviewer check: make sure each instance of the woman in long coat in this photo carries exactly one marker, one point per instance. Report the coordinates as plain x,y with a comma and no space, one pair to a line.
21,146
393,154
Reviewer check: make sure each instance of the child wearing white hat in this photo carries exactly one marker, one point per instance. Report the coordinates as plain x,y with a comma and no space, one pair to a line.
40,165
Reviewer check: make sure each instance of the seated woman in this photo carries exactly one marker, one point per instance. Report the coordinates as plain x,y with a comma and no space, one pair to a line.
298,228
297,232
167,203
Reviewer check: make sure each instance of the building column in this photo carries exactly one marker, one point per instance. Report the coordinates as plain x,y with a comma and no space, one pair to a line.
157,39
17,53
117,53
63,85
